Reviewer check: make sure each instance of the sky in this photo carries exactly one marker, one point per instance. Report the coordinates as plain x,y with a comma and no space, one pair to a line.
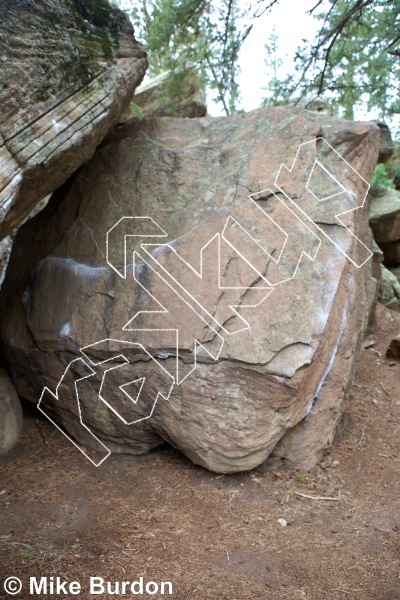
289,21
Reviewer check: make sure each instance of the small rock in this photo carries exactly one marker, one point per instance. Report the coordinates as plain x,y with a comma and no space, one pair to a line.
282,522
368,343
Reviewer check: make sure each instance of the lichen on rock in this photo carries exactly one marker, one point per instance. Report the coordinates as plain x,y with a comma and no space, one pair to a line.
68,70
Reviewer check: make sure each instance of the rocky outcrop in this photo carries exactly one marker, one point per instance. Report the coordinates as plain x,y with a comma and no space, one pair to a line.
386,144
385,215
237,334
10,414
67,71
385,224
166,96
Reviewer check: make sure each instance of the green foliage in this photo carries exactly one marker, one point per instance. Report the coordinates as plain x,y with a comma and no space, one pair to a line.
100,40
276,88
381,177
28,554
197,36
136,110
354,60
361,65
192,35
94,11
302,477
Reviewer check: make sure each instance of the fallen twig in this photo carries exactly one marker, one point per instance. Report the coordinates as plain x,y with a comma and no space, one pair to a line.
385,389
358,443
317,497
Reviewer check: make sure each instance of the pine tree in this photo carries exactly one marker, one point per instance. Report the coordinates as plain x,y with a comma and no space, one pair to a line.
355,58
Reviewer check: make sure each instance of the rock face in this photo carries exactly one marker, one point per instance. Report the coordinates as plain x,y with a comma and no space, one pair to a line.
243,322
389,289
68,69
10,414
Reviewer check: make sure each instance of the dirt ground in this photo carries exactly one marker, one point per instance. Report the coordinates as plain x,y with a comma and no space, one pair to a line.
217,537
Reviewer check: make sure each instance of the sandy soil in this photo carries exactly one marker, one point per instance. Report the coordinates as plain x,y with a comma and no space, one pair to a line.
217,537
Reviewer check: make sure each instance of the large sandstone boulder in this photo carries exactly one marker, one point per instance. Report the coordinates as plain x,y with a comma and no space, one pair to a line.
67,71
237,334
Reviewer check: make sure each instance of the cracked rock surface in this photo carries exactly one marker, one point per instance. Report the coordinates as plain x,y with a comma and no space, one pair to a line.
67,71
247,314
